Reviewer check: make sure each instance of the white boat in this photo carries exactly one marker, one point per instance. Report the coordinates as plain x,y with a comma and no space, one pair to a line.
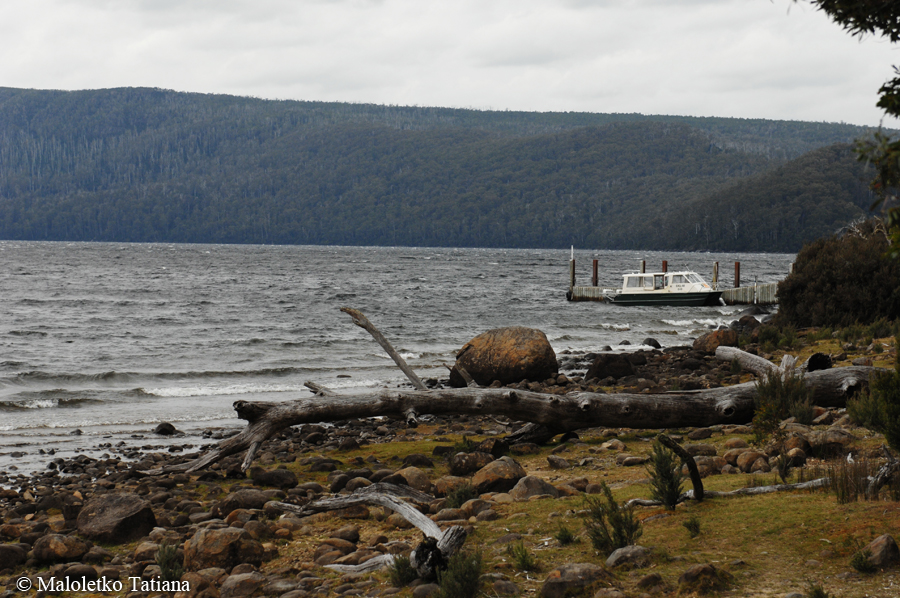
664,288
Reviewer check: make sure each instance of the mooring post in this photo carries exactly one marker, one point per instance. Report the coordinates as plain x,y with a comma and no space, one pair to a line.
643,266
715,281
572,270
737,274
665,267
594,273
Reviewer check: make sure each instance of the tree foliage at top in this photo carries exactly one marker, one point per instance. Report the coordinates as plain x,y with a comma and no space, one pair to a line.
878,18
155,165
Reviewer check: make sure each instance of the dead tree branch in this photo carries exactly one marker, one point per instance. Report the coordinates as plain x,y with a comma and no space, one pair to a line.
363,322
427,556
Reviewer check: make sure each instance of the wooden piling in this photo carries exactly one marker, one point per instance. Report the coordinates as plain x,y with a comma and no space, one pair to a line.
715,280
665,267
737,274
572,270
594,277
643,266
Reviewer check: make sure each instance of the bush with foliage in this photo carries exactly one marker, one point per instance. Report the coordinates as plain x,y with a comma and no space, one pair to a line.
565,536
170,565
665,475
879,408
842,280
692,525
459,495
609,526
861,561
462,577
520,557
779,397
401,572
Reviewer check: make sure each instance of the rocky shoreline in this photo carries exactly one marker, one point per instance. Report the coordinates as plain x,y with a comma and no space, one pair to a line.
102,520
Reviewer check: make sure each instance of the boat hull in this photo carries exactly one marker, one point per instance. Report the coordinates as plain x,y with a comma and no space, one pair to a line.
682,299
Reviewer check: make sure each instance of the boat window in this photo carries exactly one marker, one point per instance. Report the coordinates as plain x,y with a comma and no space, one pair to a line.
633,281
694,278
658,281
648,282
679,279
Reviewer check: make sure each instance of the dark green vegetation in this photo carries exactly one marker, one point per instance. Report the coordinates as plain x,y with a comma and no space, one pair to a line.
462,577
879,407
401,572
665,475
153,165
779,397
841,281
607,525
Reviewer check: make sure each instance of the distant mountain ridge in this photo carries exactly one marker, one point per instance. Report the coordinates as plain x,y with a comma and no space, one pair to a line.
138,164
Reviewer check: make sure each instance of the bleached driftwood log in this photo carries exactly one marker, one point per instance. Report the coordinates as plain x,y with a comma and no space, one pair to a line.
574,411
426,558
547,414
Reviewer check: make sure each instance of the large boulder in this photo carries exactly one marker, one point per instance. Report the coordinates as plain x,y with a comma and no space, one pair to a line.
116,518
883,552
574,579
609,365
54,548
222,548
509,355
246,498
498,476
532,486
12,555
462,464
709,342
280,478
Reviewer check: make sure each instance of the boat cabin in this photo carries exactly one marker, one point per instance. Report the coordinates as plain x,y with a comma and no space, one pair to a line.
675,282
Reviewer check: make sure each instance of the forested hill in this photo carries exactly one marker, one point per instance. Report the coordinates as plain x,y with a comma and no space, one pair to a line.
154,165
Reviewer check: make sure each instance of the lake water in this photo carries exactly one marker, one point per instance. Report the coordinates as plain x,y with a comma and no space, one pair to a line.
111,339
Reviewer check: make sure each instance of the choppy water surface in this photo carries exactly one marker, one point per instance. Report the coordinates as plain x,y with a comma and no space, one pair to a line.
113,338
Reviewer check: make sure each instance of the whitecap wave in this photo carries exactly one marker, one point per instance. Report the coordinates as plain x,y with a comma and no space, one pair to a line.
209,391
620,327
678,322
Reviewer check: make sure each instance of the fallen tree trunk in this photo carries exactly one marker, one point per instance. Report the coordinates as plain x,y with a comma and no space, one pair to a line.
559,413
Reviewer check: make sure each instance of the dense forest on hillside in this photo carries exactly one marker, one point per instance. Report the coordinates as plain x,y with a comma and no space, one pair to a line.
155,165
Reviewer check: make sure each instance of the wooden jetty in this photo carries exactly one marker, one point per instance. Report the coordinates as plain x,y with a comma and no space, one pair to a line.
756,294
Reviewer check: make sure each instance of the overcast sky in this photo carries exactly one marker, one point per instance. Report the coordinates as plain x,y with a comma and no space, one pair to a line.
741,58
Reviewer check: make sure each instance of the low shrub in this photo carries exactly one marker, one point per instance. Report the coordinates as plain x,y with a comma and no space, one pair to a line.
817,591
860,561
520,557
564,536
401,572
170,565
665,475
466,445
879,408
849,481
459,495
608,526
776,397
692,525
462,577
